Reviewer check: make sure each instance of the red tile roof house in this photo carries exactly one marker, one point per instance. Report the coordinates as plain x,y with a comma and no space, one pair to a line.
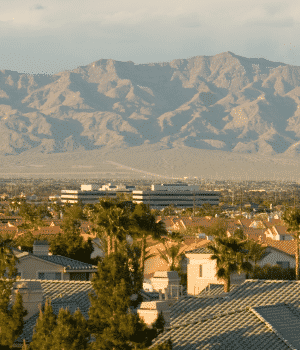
278,233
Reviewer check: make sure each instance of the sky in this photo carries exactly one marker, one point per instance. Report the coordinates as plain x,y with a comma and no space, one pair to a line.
51,36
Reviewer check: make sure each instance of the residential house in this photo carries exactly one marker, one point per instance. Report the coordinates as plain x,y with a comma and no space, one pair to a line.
201,271
278,233
41,265
156,263
274,256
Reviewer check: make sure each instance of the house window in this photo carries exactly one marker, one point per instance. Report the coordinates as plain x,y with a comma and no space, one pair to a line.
77,276
200,271
283,264
49,275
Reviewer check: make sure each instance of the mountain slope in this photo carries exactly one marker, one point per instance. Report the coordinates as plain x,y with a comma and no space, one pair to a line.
223,102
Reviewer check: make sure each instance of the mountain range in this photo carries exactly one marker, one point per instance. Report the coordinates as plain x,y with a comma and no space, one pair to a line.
239,106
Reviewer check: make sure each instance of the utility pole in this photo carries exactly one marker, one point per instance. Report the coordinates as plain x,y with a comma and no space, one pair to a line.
241,201
193,203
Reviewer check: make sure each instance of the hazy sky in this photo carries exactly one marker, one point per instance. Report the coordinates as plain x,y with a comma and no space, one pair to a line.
50,36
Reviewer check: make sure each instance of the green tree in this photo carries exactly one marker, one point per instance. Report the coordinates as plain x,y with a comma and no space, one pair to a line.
112,222
255,251
11,318
268,272
145,225
169,210
291,218
172,254
164,346
70,243
111,322
71,331
42,338
230,256
217,229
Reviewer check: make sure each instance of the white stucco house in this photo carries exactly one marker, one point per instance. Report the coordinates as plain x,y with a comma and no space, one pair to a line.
201,271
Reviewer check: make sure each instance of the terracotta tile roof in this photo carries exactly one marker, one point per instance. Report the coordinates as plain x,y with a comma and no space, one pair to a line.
282,230
257,224
245,222
288,247
47,230
272,222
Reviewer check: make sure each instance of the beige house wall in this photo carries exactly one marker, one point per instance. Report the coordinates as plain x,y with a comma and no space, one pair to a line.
195,283
29,267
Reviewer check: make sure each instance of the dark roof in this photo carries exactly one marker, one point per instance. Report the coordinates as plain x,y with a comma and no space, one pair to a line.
63,294
201,250
68,263
41,243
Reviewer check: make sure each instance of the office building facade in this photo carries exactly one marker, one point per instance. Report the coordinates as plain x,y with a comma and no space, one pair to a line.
180,195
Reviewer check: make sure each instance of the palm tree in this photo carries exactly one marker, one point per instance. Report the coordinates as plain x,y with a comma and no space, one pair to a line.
255,251
172,254
217,229
229,254
145,225
291,217
111,222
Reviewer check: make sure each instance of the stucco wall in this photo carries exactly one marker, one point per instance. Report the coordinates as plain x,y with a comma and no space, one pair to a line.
29,266
196,283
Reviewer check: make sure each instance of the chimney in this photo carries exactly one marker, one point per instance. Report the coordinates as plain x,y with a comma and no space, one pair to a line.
32,295
41,248
149,310
164,279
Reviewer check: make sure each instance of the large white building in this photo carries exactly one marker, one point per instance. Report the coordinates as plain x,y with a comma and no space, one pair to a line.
181,195
87,194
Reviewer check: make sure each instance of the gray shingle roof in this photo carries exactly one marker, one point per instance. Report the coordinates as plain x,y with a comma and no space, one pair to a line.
215,290
251,293
282,320
232,321
63,294
201,250
240,329
68,263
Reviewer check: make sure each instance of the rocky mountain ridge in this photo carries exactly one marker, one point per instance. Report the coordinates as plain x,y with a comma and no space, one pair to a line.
224,102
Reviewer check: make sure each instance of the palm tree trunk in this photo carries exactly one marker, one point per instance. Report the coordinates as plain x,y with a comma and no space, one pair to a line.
143,253
227,285
297,258
109,245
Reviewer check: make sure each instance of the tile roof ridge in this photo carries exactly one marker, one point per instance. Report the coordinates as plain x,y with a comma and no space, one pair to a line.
273,329
273,281
65,257
58,281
